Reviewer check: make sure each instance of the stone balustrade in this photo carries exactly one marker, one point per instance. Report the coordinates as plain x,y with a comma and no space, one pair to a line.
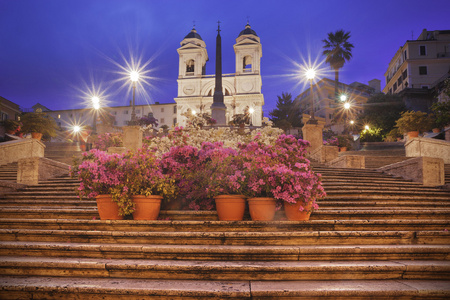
418,147
25,148
427,170
31,170
324,154
348,161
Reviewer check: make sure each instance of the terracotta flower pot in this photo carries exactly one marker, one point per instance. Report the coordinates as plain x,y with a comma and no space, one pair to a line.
146,207
230,207
107,209
342,149
294,214
436,130
413,134
36,135
261,208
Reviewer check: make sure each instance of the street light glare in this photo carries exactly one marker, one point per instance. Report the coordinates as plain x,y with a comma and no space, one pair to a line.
95,100
251,110
194,112
76,128
352,122
366,127
347,105
134,76
310,74
343,97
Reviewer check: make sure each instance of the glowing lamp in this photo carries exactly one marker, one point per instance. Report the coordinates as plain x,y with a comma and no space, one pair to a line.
347,105
134,76
76,129
310,74
366,127
251,110
343,97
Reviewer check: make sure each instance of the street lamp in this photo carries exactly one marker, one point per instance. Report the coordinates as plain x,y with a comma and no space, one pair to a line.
310,74
366,127
134,76
343,97
96,105
251,111
76,129
346,105
352,122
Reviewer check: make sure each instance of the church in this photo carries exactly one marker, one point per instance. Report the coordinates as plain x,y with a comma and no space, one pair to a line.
241,90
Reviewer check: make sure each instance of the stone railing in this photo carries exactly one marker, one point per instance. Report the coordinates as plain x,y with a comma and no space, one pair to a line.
348,161
324,154
427,170
34,169
14,150
419,147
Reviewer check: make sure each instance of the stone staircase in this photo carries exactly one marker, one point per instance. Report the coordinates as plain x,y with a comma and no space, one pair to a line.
8,172
447,173
62,151
375,236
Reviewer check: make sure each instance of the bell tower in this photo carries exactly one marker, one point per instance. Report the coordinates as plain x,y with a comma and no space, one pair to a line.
193,56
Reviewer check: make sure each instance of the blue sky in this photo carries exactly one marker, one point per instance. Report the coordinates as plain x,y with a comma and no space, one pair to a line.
56,52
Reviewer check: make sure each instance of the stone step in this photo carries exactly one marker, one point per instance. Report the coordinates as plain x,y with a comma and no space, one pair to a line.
226,252
361,204
226,226
223,270
430,237
76,203
324,214
14,287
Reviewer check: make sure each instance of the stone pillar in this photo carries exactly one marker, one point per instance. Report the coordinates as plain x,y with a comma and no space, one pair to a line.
313,134
132,137
34,169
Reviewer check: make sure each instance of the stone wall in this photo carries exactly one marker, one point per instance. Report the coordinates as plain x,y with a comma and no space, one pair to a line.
419,147
14,150
427,170
34,169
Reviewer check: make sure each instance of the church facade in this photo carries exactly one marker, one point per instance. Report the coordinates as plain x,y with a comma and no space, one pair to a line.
241,90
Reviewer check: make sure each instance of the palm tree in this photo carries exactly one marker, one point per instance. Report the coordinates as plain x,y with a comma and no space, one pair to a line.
337,50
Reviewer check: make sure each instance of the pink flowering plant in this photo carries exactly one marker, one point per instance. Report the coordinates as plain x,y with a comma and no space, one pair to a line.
281,171
122,176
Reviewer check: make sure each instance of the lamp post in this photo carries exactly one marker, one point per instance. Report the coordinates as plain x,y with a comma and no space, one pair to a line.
343,97
96,106
251,111
310,74
134,76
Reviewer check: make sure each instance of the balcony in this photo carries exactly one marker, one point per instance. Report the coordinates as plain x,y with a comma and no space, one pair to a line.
443,54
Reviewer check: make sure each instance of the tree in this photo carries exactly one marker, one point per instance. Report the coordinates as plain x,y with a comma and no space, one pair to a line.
338,50
381,111
287,113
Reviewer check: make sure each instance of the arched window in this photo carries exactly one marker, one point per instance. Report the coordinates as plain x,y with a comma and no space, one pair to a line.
190,66
210,92
247,63
227,92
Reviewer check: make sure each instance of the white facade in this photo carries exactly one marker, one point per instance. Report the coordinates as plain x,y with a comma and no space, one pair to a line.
166,114
241,90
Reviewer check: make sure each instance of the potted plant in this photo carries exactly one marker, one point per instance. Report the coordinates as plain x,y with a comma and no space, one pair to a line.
99,175
441,112
413,122
11,126
143,186
38,124
224,179
282,172
344,142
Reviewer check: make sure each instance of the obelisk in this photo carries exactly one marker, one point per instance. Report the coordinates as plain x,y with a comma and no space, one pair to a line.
218,108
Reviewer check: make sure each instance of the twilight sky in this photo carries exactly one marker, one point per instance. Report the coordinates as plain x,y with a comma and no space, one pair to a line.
57,52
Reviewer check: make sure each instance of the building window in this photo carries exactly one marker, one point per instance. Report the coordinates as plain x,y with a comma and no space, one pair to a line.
395,86
71,115
162,109
425,87
400,80
405,55
190,67
175,109
115,123
390,91
150,115
125,112
59,116
174,121
162,120
115,113
423,70
423,50
405,74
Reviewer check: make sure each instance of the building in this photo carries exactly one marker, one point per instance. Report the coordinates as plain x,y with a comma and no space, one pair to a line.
166,114
9,110
418,67
325,106
242,89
